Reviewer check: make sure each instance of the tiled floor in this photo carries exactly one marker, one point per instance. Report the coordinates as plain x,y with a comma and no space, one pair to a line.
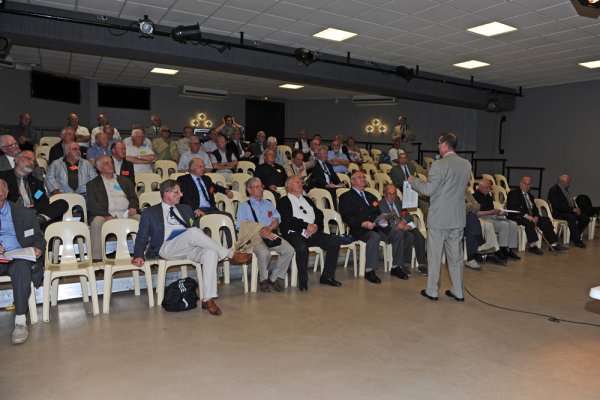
360,341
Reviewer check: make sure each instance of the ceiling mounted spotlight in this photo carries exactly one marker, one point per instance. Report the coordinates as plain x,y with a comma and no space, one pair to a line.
146,27
182,33
406,73
493,104
587,8
305,56
590,3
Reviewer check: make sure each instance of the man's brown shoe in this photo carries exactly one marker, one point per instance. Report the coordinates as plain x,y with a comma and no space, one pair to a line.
278,285
211,306
241,258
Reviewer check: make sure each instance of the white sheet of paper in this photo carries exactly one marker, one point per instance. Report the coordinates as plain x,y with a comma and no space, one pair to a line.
410,198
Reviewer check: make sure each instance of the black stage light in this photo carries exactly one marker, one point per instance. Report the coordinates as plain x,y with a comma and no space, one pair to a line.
182,33
493,104
146,27
305,56
590,3
587,8
406,73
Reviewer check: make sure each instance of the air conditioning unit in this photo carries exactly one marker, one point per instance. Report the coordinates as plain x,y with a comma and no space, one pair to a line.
369,99
7,63
203,93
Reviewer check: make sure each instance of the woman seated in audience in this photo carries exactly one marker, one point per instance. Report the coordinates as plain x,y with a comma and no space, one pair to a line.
354,151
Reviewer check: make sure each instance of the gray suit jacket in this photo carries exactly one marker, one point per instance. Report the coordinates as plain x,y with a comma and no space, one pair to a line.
397,175
446,184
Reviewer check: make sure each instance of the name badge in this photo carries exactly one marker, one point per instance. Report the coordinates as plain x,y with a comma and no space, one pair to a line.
117,187
143,153
73,167
38,194
28,232
124,172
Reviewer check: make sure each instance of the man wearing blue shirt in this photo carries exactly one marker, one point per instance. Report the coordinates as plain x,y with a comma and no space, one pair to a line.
337,158
262,211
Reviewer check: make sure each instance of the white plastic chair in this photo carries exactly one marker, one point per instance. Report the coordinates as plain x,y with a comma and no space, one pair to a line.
268,195
124,229
49,141
352,167
214,223
489,178
381,180
176,175
345,179
287,150
217,179
374,192
224,203
165,168
340,191
238,181
375,154
33,317
502,181
161,276
42,152
560,225
321,197
427,161
42,163
74,200
147,182
369,169
385,168
247,167
65,261
332,216
149,199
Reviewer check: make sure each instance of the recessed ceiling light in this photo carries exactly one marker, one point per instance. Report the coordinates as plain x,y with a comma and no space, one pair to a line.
591,64
334,34
290,86
165,71
471,64
492,29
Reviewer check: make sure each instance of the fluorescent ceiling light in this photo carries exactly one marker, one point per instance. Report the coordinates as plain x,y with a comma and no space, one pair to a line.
290,86
591,64
165,71
334,34
492,29
471,64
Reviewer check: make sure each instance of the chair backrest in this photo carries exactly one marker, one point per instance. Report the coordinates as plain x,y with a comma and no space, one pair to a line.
321,197
49,141
375,154
238,181
385,168
340,191
422,177
344,179
75,201
427,161
489,178
332,216
215,223
226,204
374,192
497,205
268,195
364,152
42,163
353,167
124,229
399,194
287,150
165,168
42,152
368,160
149,199
217,179
74,250
419,220
499,194
502,181
176,175
381,180
544,208
147,182
369,169
247,167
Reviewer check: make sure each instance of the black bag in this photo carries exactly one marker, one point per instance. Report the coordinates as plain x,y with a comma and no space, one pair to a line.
181,295
585,204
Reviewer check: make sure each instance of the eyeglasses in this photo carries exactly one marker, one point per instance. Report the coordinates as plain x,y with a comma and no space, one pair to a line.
256,187
179,192
303,210
15,144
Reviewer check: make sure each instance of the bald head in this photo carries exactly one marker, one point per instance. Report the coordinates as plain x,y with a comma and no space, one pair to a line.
564,181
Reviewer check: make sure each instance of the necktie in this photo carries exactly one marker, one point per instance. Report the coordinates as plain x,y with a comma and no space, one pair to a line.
393,208
569,198
406,173
174,215
362,194
23,193
327,173
240,150
528,202
203,190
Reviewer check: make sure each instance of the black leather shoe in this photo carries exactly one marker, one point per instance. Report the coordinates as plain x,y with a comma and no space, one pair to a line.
580,244
424,294
559,247
535,250
492,258
450,294
303,286
399,272
501,255
372,277
330,282
511,254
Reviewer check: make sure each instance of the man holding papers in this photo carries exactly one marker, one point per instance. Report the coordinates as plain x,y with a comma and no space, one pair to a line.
165,231
19,229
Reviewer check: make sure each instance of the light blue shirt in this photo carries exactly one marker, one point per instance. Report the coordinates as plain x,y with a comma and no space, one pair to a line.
8,237
264,209
338,169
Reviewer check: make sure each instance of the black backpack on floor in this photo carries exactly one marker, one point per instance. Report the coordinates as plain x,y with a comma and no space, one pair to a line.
181,295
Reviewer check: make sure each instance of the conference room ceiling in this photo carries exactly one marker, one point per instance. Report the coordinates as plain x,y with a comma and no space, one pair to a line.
550,40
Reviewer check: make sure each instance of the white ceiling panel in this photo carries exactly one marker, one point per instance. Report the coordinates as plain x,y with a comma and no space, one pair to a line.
409,7
195,7
234,14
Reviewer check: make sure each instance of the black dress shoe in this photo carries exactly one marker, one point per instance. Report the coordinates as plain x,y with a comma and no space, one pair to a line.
303,286
535,250
511,254
424,294
450,294
501,255
580,244
399,272
372,277
494,259
330,282
559,247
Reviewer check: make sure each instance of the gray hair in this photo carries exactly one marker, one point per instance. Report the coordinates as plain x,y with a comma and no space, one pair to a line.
250,181
271,139
133,132
167,186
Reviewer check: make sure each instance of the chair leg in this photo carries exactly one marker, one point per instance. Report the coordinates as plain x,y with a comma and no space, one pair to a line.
226,277
183,272
160,282
54,291
93,290
33,317
148,276
107,289
199,276
136,282
294,280
254,276
245,277
362,248
84,289
46,296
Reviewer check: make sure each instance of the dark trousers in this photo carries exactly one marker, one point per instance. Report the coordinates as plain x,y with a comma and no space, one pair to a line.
473,234
20,275
577,223
372,239
319,239
419,245
545,226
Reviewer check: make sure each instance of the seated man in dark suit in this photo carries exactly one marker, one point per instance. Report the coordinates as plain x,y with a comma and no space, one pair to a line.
237,146
122,166
323,176
403,222
271,174
165,231
529,216
108,196
28,191
259,146
564,207
302,226
19,229
359,209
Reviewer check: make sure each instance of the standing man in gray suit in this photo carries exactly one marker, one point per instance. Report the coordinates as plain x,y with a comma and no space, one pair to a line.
445,185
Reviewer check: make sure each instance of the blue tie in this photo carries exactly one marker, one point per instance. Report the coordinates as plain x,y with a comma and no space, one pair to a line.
203,190
364,197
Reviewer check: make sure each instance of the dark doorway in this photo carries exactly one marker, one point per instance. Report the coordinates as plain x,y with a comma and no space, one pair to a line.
265,116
